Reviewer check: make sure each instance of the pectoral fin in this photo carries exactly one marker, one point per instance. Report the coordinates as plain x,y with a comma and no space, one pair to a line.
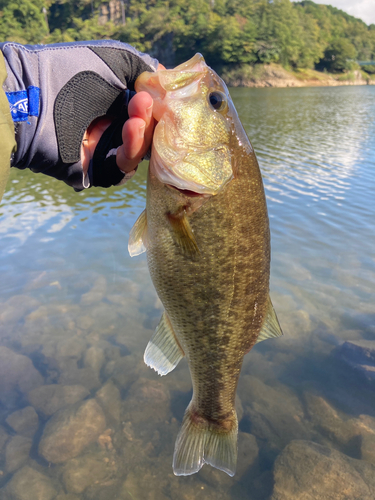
137,236
271,327
163,352
183,234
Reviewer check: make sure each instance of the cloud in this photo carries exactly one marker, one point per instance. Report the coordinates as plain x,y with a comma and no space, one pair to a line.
363,9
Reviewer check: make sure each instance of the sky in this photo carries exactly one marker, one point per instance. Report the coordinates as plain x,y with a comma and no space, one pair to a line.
363,9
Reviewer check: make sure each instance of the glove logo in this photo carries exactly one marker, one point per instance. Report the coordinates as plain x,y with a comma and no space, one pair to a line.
21,106
24,103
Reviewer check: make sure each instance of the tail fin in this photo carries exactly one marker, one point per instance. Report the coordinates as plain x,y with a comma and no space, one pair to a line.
200,441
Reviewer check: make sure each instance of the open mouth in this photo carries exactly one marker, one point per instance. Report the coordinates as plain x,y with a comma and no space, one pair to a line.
185,192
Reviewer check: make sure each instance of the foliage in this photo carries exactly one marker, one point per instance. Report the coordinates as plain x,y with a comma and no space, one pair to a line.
369,68
22,21
340,54
230,33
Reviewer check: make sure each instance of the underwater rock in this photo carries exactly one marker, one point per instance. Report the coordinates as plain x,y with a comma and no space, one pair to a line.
297,324
359,355
306,470
247,454
111,351
17,372
69,431
110,400
354,436
274,413
197,490
358,351
81,376
365,426
68,496
134,487
16,307
148,401
25,422
48,399
327,421
106,492
96,293
94,358
10,400
29,484
92,297
70,348
55,320
17,452
126,370
4,437
84,322
133,334
80,473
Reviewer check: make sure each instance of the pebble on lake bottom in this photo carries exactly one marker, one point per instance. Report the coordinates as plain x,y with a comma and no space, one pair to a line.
17,452
25,422
109,398
29,484
70,430
48,399
87,470
17,372
275,413
307,470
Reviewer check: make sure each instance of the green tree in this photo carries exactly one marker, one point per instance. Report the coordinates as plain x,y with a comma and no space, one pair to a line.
23,21
339,54
226,32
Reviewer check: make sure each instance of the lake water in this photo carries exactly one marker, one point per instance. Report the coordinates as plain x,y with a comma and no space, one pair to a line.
81,416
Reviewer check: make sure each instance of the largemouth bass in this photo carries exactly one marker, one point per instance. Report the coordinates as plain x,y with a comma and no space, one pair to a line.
206,232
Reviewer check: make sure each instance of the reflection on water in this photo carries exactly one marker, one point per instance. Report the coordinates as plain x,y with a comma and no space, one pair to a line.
81,416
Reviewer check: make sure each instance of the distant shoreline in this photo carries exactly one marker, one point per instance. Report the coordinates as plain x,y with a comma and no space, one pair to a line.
275,76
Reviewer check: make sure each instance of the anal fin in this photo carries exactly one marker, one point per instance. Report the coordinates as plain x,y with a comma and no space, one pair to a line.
271,327
163,352
137,236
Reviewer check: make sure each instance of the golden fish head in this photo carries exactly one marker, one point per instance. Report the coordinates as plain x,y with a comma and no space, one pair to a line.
193,139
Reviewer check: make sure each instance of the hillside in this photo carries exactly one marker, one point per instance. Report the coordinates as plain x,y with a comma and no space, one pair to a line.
233,35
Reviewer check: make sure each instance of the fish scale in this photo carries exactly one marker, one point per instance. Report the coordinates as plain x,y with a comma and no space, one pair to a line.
209,260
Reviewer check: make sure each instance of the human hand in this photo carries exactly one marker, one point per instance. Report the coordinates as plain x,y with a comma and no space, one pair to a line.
65,91
136,134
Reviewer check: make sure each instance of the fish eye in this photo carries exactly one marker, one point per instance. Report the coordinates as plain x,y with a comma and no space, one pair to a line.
217,100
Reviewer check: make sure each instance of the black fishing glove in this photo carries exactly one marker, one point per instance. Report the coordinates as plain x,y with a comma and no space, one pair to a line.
56,91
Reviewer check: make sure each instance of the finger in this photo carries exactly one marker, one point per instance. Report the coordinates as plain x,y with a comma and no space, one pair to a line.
133,148
141,106
136,133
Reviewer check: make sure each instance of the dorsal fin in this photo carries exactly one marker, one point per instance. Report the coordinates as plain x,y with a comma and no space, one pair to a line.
271,327
137,236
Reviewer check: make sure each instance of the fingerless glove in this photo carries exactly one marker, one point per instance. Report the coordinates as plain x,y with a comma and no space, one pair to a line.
56,91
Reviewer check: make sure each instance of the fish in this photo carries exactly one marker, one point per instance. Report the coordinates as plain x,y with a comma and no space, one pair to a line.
206,233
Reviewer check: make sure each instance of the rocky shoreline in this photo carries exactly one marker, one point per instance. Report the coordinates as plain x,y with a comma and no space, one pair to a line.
273,75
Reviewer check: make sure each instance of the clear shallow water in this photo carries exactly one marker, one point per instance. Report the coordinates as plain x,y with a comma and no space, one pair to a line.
81,312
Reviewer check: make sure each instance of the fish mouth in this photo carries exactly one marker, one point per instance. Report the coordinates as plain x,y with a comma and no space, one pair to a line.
187,192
